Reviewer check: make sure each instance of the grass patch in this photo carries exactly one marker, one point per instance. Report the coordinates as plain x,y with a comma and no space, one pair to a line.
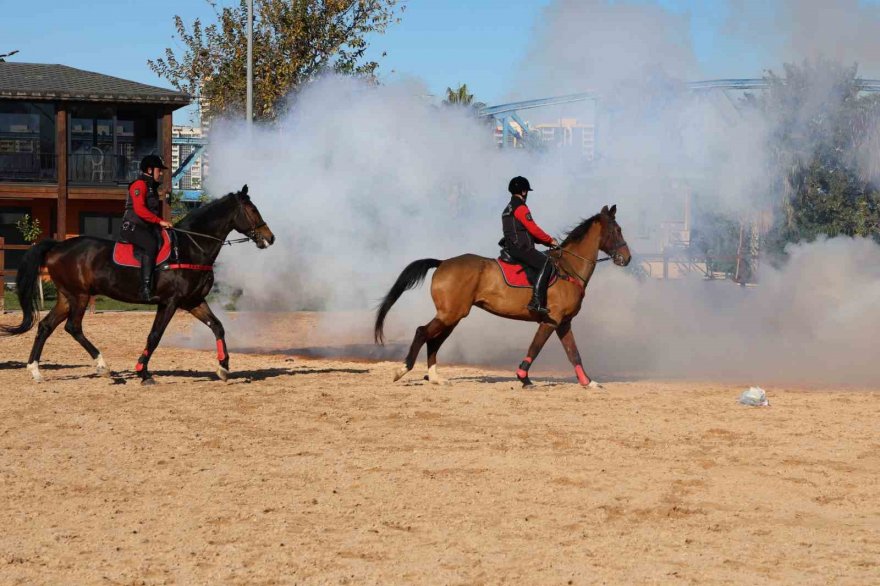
101,304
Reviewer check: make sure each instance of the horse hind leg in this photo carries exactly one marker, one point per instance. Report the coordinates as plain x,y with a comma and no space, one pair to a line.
434,347
78,307
423,334
47,325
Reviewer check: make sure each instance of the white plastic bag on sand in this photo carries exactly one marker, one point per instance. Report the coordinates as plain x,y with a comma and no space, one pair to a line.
755,397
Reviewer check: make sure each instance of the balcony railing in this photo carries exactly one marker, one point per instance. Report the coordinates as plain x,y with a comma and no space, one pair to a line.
97,168
28,167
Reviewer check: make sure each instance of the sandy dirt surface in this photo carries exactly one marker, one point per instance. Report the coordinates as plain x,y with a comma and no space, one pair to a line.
306,470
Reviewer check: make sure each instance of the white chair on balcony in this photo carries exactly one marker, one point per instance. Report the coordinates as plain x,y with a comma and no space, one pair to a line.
97,158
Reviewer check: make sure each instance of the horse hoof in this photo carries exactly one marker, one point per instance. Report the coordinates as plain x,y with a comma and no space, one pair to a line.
223,374
34,369
594,385
434,378
398,374
103,372
148,382
526,382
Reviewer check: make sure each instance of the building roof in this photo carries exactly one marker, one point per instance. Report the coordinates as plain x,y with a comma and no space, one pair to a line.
43,81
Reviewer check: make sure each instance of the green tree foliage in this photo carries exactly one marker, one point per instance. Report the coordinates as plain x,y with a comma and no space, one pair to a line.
462,97
823,128
29,228
294,42
459,96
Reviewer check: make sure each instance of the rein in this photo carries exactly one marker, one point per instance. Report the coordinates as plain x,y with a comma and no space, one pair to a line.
224,242
251,235
581,257
572,273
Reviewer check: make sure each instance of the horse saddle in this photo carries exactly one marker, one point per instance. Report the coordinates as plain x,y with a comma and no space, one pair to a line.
124,256
517,274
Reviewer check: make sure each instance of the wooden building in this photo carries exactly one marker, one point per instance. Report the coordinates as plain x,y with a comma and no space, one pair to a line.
70,142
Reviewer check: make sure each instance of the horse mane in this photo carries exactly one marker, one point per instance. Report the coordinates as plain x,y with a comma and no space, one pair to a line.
578,232
206,210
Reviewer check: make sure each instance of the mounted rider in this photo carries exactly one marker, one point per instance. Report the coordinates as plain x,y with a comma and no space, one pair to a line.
142,222
520,234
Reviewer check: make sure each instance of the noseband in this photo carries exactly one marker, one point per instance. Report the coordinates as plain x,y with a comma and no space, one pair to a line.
613,252
252,233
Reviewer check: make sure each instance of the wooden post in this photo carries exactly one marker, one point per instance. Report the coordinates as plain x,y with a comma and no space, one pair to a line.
166,156
61,167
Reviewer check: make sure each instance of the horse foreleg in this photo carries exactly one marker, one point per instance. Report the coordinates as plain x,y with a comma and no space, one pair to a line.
163,318
541,336
47,325
566,336
204,314
78,307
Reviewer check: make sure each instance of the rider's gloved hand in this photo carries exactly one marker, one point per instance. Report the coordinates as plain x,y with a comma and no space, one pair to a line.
554,243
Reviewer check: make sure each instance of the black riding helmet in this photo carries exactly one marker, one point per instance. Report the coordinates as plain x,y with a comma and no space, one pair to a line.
518,185
154,161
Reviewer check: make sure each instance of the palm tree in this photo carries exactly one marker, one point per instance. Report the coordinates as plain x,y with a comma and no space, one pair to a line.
459,96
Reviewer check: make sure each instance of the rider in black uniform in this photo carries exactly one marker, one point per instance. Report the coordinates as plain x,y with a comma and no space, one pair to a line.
520,234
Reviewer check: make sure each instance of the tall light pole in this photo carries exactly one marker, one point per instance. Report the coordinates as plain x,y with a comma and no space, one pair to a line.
250,62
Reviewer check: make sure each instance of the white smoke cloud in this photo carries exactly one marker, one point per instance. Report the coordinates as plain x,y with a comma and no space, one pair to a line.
361,180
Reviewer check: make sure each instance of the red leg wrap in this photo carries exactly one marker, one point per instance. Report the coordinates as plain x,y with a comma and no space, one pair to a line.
582,376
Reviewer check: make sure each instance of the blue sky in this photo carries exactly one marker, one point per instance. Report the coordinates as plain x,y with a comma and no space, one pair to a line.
442,42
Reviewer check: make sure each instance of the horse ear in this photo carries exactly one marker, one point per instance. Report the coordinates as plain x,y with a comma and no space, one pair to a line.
604,211
244,189
613,211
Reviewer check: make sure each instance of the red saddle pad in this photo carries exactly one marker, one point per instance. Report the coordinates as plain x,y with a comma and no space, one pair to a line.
123,253
515,275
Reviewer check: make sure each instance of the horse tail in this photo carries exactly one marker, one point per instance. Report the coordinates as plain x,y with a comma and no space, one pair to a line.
26,286
411,277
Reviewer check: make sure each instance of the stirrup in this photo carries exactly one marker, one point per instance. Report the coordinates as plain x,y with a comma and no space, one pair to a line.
532,306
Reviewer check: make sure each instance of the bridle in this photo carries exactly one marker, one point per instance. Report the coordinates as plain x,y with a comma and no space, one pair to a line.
251,235
613,254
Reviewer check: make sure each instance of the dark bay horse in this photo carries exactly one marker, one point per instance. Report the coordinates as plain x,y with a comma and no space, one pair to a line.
470,280
83,267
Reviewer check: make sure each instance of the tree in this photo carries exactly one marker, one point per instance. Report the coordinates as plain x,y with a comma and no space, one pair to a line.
822,125
294,42
461,97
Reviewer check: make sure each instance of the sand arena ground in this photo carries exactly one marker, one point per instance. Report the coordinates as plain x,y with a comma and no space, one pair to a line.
305,470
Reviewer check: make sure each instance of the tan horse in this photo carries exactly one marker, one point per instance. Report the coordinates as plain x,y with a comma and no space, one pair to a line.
470,280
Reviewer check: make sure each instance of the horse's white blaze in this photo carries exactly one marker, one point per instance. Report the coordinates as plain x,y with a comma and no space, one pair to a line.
34,369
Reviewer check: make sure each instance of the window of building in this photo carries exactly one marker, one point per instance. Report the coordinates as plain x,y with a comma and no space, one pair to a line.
100,225
107,143
11,235
27,141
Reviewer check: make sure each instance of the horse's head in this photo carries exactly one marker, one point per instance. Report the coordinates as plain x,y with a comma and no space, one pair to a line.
249,221
611,241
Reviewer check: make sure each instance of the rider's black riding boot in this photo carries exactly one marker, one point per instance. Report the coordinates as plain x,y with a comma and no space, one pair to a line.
538,303
146,278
